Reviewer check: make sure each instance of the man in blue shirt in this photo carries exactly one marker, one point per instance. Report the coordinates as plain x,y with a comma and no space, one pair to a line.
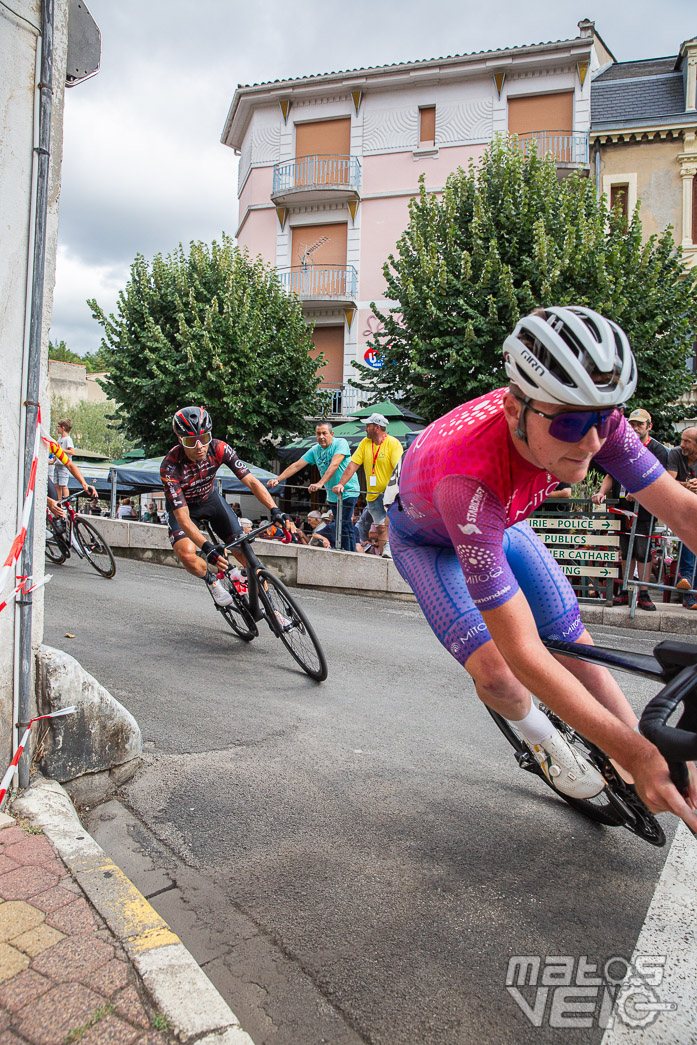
331,456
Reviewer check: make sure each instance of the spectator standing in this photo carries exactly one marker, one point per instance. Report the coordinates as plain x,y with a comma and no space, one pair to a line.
331,456
378,453
64,428
640,420
95,507
682,465
556,501
246,524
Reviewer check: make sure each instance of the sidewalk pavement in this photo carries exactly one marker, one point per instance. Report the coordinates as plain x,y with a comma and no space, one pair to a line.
84,958
667,617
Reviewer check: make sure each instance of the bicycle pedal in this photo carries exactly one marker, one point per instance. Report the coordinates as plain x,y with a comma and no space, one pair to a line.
526,761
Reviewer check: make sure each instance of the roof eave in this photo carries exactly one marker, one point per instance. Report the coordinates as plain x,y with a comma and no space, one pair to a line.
390,75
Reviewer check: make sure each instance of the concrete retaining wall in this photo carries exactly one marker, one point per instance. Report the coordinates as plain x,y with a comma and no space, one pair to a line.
295,564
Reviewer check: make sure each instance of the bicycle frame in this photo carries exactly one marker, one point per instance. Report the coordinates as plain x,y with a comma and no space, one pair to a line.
675,665
242,543
68,519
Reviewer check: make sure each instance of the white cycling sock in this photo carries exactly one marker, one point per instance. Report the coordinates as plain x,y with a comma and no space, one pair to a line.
535,727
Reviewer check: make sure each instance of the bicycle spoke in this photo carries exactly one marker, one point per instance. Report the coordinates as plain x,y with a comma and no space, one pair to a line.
94,547
292,626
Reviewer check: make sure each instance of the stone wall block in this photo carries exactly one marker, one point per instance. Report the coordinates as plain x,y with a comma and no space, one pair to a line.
102,734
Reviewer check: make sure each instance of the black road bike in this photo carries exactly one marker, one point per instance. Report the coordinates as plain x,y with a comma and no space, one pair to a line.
73,534
618,804
265,597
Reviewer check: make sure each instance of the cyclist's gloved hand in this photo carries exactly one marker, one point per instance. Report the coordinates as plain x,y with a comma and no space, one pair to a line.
212,551
279,517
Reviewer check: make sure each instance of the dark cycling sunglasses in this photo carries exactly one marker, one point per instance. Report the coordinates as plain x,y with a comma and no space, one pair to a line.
190,441
572,426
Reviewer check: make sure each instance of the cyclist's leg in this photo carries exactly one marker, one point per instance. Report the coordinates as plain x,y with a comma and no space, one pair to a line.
435,576
224,521
556,611
183,547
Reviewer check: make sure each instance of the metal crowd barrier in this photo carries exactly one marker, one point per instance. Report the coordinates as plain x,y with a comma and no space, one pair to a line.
667,561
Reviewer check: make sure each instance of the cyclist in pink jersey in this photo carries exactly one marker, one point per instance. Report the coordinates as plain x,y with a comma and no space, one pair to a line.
485,581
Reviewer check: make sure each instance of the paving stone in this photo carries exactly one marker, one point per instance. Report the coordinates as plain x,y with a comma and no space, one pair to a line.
7,865
18,917
4,1020
73,918
50,1020
154,1038
38,940
21,989
12,961
129,1005
32,849
11,835
53,898
25,882
73,958
8,1038
111,978
109,1031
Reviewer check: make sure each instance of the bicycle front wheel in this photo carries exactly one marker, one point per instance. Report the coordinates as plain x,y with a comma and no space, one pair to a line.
599,808
95,548
289,623
55,548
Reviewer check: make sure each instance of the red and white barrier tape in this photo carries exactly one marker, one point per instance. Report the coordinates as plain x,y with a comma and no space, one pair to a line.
18,543
5,782
22,587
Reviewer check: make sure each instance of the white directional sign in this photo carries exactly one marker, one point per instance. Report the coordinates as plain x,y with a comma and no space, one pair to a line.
538,522
588,554
578,539
588,571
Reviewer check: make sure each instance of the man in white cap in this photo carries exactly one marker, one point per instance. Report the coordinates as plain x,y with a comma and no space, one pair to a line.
378,453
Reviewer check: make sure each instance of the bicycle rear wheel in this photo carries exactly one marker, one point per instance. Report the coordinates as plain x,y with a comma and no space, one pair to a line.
237,614
96,550
289,623
55,549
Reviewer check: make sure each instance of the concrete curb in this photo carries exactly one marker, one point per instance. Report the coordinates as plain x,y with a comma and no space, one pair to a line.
176,983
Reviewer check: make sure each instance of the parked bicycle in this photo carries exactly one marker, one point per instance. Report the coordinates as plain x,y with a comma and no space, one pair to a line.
71,533
618,804
265,597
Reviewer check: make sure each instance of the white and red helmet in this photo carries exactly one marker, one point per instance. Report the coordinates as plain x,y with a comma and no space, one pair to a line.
572,356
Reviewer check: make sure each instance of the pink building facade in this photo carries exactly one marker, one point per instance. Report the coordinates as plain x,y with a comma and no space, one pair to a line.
328,164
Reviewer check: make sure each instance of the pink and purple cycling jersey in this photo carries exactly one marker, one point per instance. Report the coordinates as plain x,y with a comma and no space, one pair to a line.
462,484
188,482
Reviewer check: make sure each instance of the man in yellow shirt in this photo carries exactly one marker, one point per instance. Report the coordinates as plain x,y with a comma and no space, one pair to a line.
378,453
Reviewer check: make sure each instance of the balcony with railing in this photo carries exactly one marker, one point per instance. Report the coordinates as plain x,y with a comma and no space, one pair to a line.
321,284
568,148
336,178
344,399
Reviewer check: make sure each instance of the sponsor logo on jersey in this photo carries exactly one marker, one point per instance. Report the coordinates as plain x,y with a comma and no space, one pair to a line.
468,528
482,578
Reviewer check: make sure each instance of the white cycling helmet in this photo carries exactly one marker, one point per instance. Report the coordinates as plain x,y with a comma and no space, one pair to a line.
572,356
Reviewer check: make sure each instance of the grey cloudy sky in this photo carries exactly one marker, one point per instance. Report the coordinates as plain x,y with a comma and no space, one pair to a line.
143,167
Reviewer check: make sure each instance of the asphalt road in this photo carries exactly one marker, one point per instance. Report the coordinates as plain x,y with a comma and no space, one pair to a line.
352,861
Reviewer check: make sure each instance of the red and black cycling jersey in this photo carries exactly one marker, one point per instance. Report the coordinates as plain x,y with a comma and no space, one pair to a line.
191,482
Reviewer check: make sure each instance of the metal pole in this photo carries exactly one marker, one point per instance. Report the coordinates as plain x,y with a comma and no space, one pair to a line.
34,364
338,515
113,479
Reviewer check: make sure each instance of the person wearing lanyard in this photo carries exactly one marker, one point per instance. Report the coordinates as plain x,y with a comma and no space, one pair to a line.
378,453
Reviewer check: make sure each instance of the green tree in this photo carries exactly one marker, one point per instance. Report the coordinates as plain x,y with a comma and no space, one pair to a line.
505,237
93,427
60,351
209,327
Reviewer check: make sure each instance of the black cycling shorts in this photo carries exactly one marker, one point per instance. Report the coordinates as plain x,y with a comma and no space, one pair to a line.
214,510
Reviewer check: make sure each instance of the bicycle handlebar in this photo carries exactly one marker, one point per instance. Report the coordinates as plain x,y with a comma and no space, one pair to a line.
252,535
677,744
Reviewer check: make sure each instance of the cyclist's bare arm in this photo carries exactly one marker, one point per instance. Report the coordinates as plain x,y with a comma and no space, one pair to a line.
514,632
259,491
675,505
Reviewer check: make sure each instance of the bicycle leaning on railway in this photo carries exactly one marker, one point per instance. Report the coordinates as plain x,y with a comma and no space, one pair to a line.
618,804
73,534
265,597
